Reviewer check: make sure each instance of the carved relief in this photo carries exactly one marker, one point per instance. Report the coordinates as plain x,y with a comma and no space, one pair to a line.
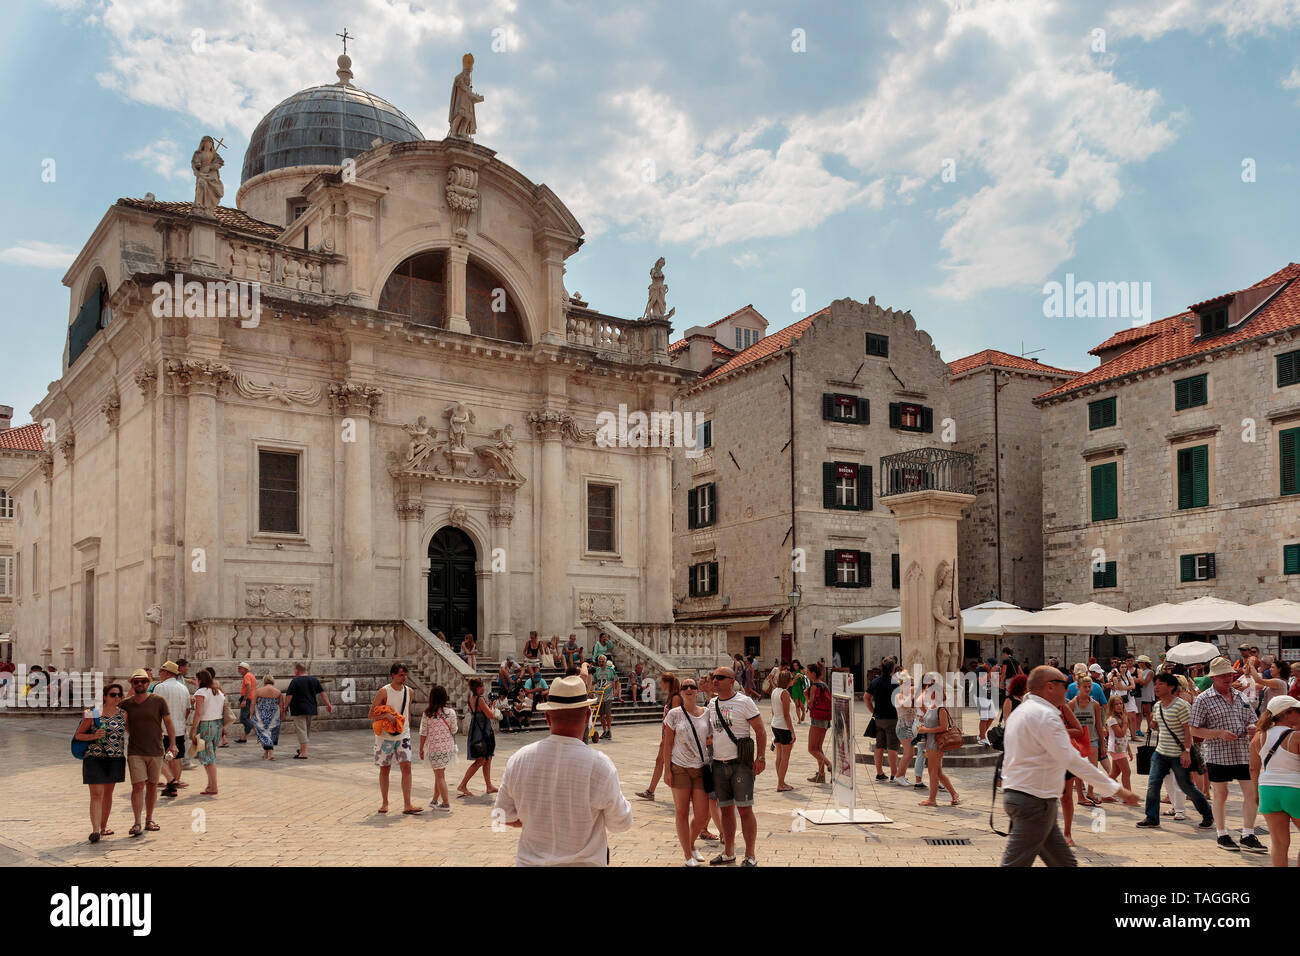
68,445
489,462
551,424
153,614
198,375
111,409
277,392
500,455
350,397
410,510
47,464
462,197
457,517
459,417
279,600
146,378
601,606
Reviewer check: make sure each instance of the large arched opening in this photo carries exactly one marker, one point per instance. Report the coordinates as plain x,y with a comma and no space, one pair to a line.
419,288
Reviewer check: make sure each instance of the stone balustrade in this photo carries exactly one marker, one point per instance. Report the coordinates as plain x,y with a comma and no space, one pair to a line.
258,638
666,646
299,271
642,340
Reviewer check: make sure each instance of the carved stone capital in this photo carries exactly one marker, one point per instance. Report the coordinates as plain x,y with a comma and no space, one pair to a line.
500,517
462,197
551,425
146,378
198,376
111,409
68,445
410,510
47,464
352,398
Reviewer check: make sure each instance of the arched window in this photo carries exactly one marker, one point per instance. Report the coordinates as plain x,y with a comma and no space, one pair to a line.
490,307
416,290
93,316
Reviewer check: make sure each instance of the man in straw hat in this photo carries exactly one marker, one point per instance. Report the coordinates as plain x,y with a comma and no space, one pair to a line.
563,794
173,690
1223,718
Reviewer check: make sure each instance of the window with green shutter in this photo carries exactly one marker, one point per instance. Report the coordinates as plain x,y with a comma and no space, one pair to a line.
1101,413
1288,369
1289,453
1105,491
1196,567
1190,392
1291,559
1193,477
893,570
1107,577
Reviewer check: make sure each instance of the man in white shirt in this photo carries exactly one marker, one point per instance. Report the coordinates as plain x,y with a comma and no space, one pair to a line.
564,795
1038,753
173,690
733,716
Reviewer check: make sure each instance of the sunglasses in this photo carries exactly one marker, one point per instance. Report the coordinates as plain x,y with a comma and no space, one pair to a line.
139,680
114,694
722,677
689,687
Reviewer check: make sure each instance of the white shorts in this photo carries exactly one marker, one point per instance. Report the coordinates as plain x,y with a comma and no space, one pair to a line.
988,708
1131,706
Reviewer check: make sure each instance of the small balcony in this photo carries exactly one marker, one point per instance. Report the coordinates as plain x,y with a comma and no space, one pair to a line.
927,469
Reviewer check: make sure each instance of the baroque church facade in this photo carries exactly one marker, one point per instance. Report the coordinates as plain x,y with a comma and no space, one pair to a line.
360,395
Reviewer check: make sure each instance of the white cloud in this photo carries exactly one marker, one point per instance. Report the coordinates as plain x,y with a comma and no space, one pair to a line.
163,157
1149,19
39,255
746,260
1292,81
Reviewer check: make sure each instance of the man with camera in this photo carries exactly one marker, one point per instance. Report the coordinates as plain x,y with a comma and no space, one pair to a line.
737,758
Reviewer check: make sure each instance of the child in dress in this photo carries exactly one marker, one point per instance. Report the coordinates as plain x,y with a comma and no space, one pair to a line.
438,744
1118,740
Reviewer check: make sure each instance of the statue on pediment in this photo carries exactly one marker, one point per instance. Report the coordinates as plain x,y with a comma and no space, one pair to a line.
206,164
500,455
459,418
463,100
424,442
657,301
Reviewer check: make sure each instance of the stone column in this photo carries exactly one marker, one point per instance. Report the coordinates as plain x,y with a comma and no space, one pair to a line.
549,427
503,634
927,536
354,402
201,381
414,597
457,260
656,572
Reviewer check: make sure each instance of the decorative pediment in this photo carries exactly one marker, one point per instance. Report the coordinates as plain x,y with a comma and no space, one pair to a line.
451,458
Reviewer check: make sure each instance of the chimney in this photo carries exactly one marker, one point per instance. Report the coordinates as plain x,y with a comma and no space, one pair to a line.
699,354
6,417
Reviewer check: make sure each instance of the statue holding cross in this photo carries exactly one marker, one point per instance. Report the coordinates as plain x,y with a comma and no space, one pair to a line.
208,189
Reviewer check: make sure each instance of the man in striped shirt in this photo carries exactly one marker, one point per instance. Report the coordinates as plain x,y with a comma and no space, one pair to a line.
1171,719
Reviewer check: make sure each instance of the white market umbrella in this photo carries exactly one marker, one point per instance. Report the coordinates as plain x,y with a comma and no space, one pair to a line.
1276,616
1062,605
991,617
1204,615
1089,618
1193,652
889,624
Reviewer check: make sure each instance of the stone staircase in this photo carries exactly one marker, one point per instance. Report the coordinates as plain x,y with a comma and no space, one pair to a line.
623,712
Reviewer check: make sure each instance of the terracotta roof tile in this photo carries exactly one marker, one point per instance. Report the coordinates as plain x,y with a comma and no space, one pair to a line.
27,438
1004,360
1174,337
1128,336
768,345
733,315
231,218
718,348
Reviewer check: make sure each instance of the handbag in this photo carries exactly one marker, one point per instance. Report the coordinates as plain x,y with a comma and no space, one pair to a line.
706,772
744,748
1144,759
997,736
1197,762
227,717
950,739
79,747
480,733
871,728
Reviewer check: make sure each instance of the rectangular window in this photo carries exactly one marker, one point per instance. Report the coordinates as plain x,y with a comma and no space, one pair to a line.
1105,491
1101,414
277,492
848,569
600,518
701,506
845,408
1291,559
1288,446
1288,369
704,435
1107,577
704,579
746,337
1214,322
1195,567
36,567
1190,392
1193,477
6,575
846,486
878,345
6,504
911,418
893,571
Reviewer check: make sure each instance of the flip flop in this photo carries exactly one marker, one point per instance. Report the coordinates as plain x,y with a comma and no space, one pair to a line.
151,826
105,833
784,789
207,793
135,830
413,810
382,810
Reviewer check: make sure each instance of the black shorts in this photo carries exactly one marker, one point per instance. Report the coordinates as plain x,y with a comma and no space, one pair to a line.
101,770
1225,772
180,746
782,736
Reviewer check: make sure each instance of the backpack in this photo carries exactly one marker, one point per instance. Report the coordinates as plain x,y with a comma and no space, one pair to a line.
79,747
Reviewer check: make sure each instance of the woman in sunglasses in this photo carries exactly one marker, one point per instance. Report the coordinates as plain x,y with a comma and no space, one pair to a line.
104,765
670,687
686,740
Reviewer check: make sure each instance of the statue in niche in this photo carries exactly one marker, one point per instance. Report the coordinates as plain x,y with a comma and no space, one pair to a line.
459,417
657,302
948,629
463,99
423,442
207,163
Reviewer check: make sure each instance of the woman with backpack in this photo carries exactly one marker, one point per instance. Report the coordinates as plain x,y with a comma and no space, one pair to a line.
103,766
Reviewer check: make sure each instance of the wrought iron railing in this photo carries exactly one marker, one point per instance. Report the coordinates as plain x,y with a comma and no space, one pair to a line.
927,469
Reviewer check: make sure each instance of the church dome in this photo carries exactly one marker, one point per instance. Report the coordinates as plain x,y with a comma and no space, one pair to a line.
324,125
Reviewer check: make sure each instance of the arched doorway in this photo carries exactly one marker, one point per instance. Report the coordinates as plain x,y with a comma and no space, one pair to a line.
453,585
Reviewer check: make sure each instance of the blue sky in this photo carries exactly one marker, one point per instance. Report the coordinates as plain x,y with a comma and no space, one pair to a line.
774,169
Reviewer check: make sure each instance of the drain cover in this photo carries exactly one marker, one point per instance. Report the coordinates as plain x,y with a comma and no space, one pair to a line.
947,841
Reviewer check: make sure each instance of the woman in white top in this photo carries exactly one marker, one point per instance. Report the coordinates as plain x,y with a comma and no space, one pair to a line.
1146,691
209,705
1278,743
687,736
782,726
1117,741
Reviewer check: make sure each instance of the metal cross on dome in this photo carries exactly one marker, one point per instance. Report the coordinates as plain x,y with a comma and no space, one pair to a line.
346,37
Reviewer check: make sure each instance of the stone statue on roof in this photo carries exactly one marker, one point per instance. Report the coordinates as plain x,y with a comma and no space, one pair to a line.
208,189
657,301
463,98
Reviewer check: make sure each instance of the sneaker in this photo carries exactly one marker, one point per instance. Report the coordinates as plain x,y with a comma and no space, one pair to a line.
1226,843
1145,824
749,861
441,807
697,856
1206,824
902,781
722,860
919,785
693,861
1251,844
881,776
609,735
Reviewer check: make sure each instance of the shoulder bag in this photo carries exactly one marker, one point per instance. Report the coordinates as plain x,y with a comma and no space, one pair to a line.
1272,750
1197,764
744,748
79,747
997,736
707,769
950,739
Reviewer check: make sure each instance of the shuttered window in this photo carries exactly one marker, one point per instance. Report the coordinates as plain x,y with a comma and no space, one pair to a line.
1196,567
702,506
1289,453
1107,577
1291,559
1105,491
6,575
845,408
1193,477
846,486
911,418
277,492
1101,413
6,504
1288,368
704,579
1190,392
847,569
